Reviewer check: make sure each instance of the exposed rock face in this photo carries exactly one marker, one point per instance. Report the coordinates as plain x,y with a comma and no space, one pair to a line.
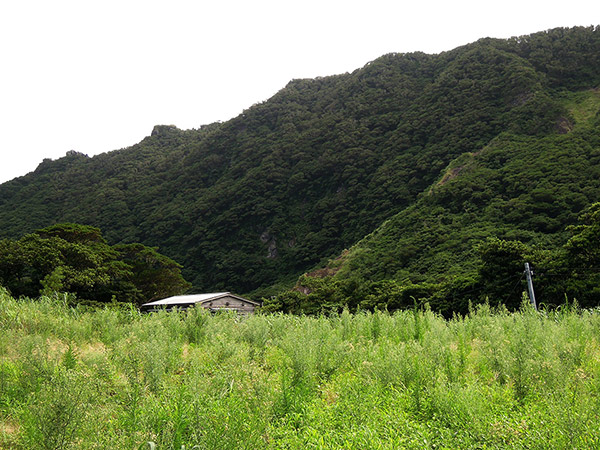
163,130
76,154
271,241
272,249
563,125
521,99
449,175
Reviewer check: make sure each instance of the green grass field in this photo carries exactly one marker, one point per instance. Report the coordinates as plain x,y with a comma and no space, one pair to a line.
115,379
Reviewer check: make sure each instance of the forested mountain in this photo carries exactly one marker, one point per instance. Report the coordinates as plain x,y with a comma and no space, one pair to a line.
495,138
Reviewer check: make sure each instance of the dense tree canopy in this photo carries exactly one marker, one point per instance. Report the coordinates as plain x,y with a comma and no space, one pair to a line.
76,259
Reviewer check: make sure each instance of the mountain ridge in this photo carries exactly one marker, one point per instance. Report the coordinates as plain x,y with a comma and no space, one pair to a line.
290,182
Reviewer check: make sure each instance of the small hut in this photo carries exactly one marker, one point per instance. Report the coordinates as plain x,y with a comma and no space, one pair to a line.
220,301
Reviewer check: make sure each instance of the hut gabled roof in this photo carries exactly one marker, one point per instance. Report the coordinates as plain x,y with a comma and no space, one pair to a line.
194,299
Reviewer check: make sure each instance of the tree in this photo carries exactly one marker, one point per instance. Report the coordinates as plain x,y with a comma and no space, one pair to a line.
583,248
500,271
77,259
583,257
154,275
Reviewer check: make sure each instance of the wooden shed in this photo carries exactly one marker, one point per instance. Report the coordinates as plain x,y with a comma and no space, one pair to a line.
213,302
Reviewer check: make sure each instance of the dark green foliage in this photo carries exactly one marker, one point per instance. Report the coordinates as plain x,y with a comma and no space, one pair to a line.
154,275
392,295
571,271
582,259
502,264
583,248
35,263
76,259
496,138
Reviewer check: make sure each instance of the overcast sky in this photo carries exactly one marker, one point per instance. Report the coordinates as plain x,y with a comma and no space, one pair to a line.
96,76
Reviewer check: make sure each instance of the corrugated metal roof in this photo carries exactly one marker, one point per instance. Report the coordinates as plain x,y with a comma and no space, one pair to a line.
186,299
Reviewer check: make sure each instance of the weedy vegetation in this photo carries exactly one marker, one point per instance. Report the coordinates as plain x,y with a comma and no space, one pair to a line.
82,378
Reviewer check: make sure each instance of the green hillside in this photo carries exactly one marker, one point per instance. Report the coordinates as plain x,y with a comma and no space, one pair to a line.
526,191
496,138
516,187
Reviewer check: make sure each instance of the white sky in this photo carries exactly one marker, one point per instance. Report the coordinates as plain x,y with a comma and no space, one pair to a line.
95,76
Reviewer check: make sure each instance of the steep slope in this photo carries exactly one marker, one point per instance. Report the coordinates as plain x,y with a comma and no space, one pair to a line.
524,190
292,181
516,187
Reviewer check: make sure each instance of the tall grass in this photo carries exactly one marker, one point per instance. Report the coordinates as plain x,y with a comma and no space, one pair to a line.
112,378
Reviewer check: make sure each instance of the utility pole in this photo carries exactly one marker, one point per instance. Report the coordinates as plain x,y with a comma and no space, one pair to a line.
529,274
